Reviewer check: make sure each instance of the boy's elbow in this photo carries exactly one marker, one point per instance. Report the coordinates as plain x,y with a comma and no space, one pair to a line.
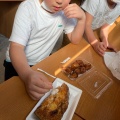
77,41
75,38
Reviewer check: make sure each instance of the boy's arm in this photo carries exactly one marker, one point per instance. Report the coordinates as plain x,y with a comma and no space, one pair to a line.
88,29
104,33
98,46
74,11
19,60
35,82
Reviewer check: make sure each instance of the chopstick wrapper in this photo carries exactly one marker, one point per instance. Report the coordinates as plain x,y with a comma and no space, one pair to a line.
112,61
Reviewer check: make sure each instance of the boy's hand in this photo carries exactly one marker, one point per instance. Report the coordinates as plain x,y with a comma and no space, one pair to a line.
74,11
110,47
100,47
37,85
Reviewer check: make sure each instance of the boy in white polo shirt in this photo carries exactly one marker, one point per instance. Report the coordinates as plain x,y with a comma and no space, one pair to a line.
37,27
100,14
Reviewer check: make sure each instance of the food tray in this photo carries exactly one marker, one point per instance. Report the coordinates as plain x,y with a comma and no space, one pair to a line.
96,83
74,97
78,68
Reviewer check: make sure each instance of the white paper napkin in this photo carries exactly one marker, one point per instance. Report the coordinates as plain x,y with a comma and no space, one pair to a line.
112,61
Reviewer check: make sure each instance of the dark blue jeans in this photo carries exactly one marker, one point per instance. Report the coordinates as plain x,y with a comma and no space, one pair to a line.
9,70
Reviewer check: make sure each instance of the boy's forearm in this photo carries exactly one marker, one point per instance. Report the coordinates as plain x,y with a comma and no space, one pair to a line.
78,31
19,61
90,35
104,35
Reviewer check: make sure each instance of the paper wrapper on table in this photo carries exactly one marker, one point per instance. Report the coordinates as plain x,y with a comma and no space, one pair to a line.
112,61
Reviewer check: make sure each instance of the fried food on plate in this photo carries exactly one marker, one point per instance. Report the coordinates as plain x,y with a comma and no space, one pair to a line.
55,105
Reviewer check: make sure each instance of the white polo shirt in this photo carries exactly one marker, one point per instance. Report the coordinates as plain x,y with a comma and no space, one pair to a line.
38,30
101,12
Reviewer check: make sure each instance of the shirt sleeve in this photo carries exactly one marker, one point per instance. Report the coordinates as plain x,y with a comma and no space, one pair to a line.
22,25
70,25
111,18
111,21
90,6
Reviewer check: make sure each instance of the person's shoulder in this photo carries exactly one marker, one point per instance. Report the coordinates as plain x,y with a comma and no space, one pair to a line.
26,8
27,3
90,4
118,8
92,1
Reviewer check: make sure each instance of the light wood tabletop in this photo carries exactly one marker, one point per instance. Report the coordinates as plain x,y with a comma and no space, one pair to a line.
15,104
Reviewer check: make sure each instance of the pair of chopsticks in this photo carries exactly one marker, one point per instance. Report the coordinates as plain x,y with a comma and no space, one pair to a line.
45,73
50,74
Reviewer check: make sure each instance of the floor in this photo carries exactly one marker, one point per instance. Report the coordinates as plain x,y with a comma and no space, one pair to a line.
3,47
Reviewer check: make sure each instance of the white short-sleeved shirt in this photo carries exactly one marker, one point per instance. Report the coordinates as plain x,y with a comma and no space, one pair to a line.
101,12
38,30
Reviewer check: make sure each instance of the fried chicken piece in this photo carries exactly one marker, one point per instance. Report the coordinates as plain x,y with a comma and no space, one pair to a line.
80,62
74,65
55,105
88,66
68,70
73,75
77,70
82,70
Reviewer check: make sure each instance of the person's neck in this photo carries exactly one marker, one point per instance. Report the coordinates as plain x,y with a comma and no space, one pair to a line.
111,4
43,5
40,1
47,10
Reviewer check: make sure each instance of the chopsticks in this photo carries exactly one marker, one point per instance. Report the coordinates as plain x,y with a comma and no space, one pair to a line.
45,73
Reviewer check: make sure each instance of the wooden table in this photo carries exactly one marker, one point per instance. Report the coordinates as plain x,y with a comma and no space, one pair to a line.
15,104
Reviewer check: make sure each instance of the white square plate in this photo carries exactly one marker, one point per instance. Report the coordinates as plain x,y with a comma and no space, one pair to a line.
75,94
